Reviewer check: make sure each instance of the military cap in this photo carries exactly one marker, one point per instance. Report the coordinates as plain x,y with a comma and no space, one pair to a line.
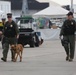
70,13
9,15
3,18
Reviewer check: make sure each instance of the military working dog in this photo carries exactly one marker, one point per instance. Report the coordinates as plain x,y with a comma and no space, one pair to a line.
18,50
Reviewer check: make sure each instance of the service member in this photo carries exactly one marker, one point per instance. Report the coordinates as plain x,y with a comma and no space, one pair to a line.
10,32
68,31
3,38
3,21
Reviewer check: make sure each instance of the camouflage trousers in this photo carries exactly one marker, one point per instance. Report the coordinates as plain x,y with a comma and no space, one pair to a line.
8,41
70,46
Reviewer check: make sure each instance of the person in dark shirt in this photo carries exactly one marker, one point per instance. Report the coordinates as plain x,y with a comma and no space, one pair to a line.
68,32
10,32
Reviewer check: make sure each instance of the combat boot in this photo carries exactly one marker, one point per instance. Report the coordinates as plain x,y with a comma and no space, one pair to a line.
67,58
3,59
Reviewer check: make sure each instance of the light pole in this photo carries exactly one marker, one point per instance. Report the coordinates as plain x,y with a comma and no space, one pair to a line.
24,7
71,9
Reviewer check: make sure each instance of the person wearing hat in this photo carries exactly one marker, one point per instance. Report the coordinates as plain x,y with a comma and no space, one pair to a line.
3,20
3,38
68,32
10,32
2,24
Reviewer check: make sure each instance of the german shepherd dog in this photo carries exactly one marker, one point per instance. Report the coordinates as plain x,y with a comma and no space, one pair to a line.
18,50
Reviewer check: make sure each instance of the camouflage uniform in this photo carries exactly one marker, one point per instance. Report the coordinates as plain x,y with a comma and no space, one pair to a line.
68,31
10,33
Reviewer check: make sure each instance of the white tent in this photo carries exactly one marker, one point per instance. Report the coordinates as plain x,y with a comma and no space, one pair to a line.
53,11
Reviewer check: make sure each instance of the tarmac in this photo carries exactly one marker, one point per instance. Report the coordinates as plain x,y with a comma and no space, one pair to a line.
48,59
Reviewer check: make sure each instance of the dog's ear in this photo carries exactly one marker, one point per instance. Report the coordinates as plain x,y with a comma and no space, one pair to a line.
13,46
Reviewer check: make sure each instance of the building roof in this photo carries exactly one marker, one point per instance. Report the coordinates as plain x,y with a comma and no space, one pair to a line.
32,4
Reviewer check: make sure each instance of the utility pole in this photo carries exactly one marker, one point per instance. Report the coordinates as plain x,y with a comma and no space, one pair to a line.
71,9
24,7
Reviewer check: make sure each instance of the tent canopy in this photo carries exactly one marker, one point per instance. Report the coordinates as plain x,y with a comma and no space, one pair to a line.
52,11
